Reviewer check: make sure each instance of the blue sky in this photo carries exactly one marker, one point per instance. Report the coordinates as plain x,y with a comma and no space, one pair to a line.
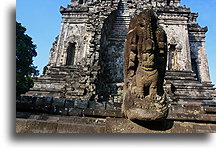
42,20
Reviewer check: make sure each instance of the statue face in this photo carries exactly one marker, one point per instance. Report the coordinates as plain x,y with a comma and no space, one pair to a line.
148,54
141,23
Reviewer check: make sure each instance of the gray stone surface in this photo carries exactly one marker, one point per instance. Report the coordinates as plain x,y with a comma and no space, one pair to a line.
89,125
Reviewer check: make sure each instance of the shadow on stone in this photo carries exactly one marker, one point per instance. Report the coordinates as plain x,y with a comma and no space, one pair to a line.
156,125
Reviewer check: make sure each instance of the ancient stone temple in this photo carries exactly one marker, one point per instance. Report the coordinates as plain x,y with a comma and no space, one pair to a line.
85,72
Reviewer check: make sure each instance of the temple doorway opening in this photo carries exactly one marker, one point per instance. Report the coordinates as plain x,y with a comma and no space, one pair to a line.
70,54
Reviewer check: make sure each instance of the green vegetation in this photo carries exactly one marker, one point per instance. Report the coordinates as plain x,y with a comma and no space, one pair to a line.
25,51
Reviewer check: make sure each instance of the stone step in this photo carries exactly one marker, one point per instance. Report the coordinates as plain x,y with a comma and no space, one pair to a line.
209,103
123,17
194,88
113,126
122,35
64,70
185,83
180,78
123,23
58,78
54,125
193,93
120,26
210,110
190,83
188,102
64,67
40,93
180,72
76,120
116,39
117,31
182,82
192,102
193,97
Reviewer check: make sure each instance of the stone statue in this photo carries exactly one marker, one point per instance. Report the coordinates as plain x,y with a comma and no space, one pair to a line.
144,69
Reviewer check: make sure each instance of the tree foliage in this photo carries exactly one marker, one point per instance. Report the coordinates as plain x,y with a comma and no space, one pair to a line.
25,51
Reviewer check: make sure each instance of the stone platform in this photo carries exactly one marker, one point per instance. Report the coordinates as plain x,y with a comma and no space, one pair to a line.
31,123
58,115
64,107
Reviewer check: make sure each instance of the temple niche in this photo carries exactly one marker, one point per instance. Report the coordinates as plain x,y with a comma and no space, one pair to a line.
86,69
70,54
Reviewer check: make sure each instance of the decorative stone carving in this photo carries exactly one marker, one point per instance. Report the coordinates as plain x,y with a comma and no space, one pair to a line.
144,69
173,52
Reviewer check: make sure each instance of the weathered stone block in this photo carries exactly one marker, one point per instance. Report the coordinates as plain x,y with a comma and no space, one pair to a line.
58,110
58,102
204,128
81,103
58,106
24,115
21,125
69,103
74,112
92,104
26,103
38,126
109,106
100,105
79,128
43,104
62,111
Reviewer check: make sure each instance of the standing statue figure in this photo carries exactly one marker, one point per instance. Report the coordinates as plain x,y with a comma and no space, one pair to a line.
144,69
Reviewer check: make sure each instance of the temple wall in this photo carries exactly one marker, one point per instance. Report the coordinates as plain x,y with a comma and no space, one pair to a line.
176,28
198,52
73,30
198,49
